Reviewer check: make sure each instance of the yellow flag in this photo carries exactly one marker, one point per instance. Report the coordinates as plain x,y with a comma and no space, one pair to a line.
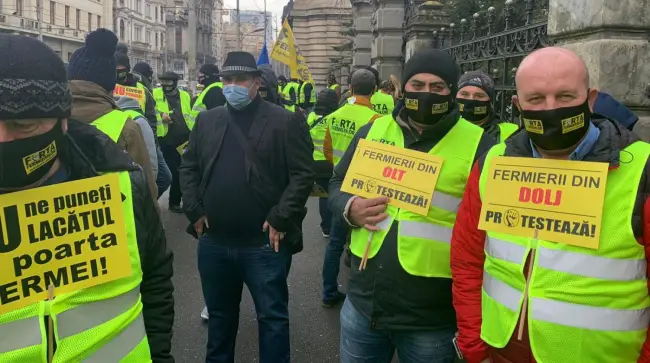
286,51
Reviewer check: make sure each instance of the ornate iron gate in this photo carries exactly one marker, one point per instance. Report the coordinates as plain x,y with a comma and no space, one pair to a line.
477,45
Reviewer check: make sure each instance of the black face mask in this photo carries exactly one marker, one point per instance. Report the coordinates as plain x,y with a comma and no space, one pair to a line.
121,75
474,110
170,88
427,108
557,129
26,161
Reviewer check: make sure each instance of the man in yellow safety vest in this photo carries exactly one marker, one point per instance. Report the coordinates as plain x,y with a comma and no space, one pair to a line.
342,125
91,72
538,300
174,106
212,95
125,320
476,100
402,299
334,85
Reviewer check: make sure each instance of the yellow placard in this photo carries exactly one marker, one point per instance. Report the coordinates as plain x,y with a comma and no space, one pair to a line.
131,92
406,176
561,199
181,148
70,236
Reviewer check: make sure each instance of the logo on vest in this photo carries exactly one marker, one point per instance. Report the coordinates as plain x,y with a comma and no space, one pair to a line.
380,108
66,237
343,126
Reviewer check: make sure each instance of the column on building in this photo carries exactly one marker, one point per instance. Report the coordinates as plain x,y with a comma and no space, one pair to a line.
612,39
387,47
361,13
422,18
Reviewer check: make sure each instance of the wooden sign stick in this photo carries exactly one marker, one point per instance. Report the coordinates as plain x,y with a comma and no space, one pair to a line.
364,259
50,328
524,307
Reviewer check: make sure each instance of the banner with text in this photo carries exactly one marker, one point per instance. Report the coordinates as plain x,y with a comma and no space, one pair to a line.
286,51
561,199
407,177
69,236
131,92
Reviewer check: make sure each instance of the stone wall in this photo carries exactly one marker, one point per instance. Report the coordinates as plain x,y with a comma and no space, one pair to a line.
611,36
317,27
362,13
387,25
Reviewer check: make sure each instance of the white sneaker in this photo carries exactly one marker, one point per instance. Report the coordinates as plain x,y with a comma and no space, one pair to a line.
204,314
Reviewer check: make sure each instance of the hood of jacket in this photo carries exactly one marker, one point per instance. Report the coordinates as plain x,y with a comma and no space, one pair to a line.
270,82
90,101
609,107
140,78
127,103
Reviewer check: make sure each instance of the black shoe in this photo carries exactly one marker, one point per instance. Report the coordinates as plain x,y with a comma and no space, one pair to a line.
326,234
340,297
175,208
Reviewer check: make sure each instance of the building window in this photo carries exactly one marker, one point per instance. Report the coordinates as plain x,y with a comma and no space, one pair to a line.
138,6
67,16
121,29
179,40
69,56
90,21
137,37
156,36
162,40
52,12
78,19
179,67
19,7
147,37
155,10
148,11
162,14
99,21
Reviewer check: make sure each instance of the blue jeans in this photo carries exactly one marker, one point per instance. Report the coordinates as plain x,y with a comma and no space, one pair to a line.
224,271
164,177
323,208
332,261
360,344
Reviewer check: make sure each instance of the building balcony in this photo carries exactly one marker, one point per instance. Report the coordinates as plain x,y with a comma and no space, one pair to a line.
140,45
24,25
176,18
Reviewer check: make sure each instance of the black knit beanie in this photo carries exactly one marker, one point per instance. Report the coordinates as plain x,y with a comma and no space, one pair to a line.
209,69
122,59
94,62
33,80
432,61
144,69
478,79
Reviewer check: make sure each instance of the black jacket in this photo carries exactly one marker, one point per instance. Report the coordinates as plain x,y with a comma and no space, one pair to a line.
384,292
283,146
89,152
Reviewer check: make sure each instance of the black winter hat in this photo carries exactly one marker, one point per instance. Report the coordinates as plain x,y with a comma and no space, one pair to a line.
478,79
169,76
122,59
144,69
432,61
94,62
326,103
33,80
209,69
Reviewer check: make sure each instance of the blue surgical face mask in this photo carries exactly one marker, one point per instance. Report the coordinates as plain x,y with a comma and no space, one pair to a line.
237,96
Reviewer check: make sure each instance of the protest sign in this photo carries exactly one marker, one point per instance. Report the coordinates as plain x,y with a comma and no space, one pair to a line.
405,176
70,236
561,199
131,92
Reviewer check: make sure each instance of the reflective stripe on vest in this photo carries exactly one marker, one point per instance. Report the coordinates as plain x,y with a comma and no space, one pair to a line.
382,103
163,107
575,294
344,123
317,134
506,129
112,124
198,104
99,324
423,244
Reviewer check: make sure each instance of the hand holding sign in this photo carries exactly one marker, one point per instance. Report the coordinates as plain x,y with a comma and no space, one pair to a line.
367,213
